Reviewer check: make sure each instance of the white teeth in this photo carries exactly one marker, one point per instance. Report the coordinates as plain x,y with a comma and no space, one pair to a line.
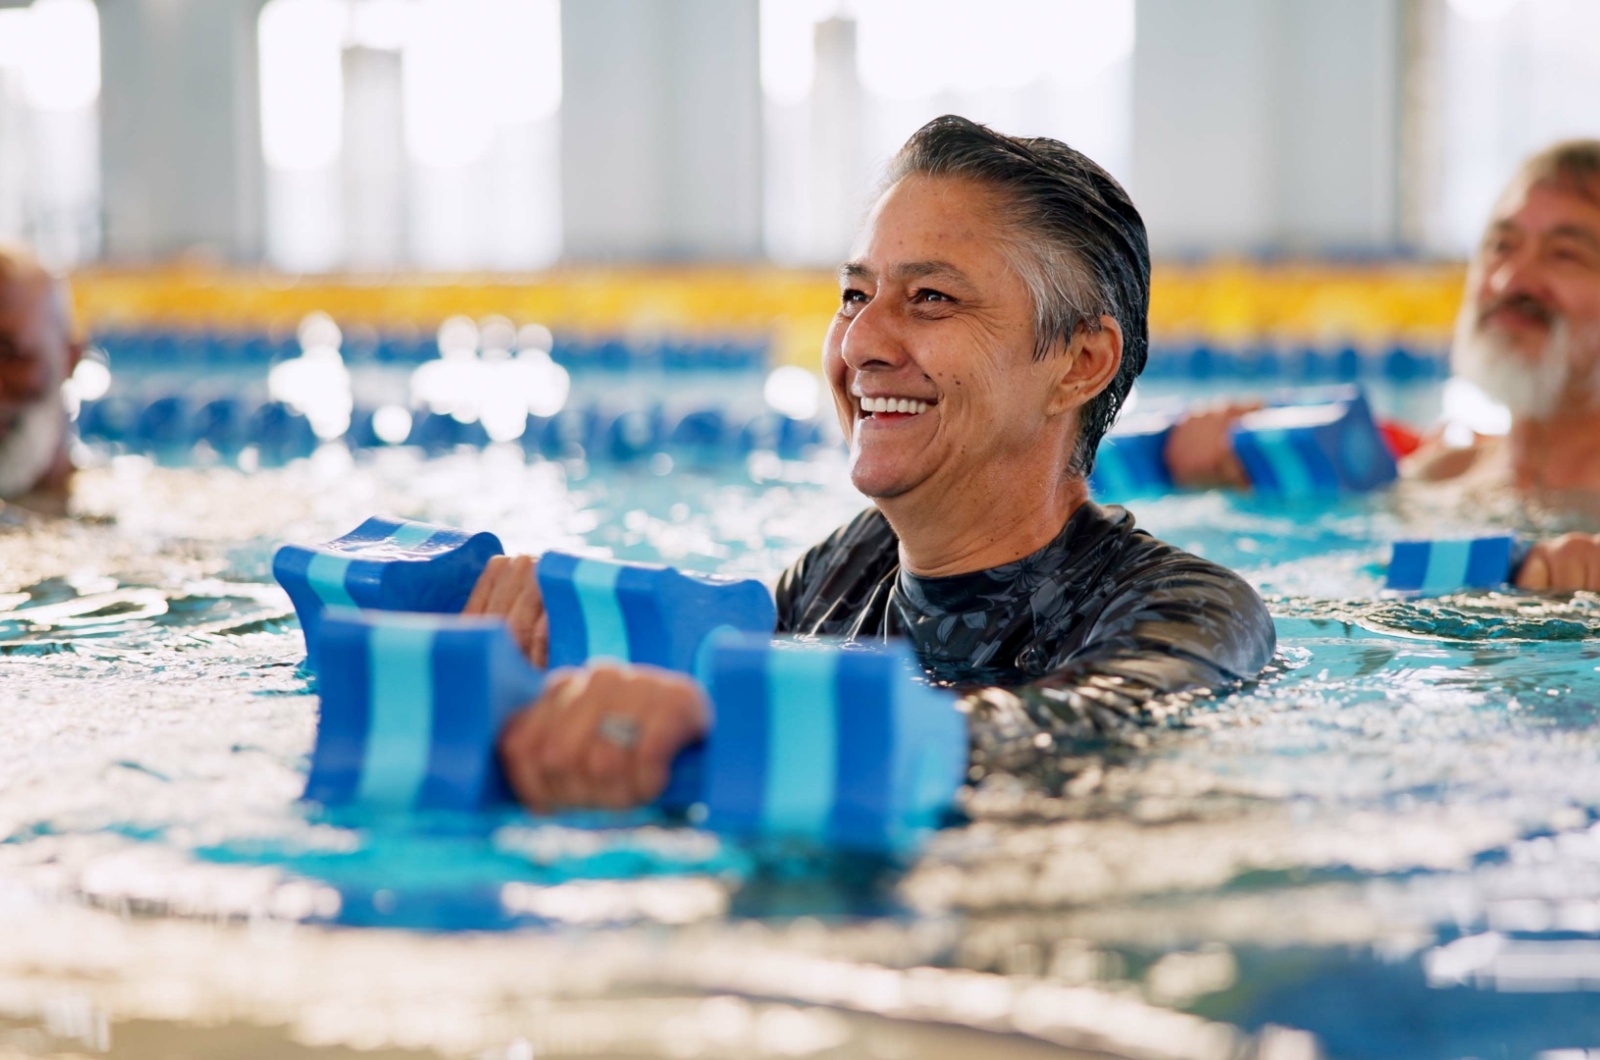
901,405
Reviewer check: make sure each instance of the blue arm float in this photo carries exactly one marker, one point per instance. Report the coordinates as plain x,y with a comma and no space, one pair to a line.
1132,462
1311,450
1447,566
838,746
383,564
643,613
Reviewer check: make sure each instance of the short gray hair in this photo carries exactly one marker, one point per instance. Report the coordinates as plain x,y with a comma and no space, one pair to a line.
1073,236
1572,165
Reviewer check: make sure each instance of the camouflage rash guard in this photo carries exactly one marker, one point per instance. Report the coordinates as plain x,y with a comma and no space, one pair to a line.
1089,637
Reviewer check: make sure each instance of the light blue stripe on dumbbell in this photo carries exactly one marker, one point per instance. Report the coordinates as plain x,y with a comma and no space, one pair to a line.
1287,465
400,729
603,625
1447,566
412,535
802,742
325,573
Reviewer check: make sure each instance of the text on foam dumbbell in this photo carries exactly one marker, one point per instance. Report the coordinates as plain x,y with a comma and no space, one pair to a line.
836,745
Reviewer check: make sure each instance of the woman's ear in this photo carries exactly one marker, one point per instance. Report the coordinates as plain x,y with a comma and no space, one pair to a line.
1092,360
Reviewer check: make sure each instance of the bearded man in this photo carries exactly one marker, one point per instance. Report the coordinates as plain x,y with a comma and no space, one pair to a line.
1528,336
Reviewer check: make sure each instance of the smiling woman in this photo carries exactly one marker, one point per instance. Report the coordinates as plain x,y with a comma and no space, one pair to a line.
991,322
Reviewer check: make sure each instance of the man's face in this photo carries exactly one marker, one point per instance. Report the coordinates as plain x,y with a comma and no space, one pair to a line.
934,321
1529,332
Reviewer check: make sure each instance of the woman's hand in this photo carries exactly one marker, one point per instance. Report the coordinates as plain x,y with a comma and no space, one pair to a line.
509,588
602,736
1565,564
1199,453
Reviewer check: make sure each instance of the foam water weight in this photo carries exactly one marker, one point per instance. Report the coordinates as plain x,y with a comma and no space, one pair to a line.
638,612
831,744
1449,565
1292,450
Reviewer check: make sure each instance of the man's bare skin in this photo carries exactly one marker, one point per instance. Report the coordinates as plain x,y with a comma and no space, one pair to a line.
38,354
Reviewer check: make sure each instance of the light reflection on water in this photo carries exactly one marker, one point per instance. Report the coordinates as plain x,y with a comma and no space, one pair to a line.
1412,781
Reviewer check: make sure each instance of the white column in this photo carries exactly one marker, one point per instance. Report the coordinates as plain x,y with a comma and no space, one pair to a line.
180,128
661,130
1268,124
373,160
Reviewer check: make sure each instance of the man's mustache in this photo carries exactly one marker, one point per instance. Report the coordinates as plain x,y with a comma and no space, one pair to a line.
1523,304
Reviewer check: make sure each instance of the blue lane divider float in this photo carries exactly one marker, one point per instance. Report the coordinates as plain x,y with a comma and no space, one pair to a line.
1436,567
384,564
840,746
638,612
1288,451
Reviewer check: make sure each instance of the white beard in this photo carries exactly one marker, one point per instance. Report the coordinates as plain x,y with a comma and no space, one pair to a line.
32,446
1530,390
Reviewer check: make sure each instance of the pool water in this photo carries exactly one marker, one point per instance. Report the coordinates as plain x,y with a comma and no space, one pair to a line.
1387,846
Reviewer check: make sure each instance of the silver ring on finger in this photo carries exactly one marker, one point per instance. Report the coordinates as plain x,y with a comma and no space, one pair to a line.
619,730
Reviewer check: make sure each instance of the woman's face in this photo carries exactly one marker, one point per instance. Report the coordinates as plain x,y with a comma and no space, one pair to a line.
931,355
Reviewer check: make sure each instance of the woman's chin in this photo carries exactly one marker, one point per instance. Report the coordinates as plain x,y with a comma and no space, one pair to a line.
878,481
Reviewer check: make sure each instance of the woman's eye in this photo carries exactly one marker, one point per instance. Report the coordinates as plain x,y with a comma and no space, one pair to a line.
852,297
926,295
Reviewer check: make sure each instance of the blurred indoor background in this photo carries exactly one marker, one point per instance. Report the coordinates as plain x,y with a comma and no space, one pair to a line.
640,172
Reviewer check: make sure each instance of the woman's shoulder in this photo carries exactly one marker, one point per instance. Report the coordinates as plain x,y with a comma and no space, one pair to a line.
860,553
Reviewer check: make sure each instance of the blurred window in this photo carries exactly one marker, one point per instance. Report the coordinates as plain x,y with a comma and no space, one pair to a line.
411,133
847,81
50,129
1512,76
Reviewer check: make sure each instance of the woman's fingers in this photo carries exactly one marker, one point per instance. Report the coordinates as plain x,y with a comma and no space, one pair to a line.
515,581
490,576
519,755
539,642
672,726
602,736
525,613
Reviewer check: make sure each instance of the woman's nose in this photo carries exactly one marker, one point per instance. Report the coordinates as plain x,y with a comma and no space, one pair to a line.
872,340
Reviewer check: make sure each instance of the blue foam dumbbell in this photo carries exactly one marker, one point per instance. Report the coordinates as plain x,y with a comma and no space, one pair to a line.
639,612
1452,565
384,564
1310,450
642,612
833,745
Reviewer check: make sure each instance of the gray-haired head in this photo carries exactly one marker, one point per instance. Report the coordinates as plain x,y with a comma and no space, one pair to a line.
1072,234
1571,165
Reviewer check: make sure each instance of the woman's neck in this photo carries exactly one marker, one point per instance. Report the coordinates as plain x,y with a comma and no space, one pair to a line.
937,541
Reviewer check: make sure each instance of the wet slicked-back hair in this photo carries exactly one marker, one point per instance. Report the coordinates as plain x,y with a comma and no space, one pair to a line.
1073,236
1572,165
